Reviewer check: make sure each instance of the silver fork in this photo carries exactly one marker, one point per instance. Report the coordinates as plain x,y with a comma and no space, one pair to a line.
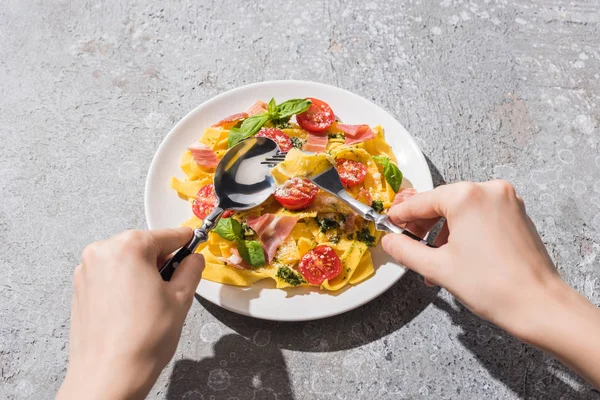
329,181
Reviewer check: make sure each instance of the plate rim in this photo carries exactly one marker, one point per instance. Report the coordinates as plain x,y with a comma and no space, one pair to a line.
165,143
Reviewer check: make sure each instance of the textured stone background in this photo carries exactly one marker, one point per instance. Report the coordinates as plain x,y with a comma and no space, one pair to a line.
489,88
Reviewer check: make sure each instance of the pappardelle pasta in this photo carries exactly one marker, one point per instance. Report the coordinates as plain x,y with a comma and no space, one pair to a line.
301,235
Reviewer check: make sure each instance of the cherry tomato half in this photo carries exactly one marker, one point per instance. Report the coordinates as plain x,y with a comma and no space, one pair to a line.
319,264
296,193
205,202
283,141
351,172
317,118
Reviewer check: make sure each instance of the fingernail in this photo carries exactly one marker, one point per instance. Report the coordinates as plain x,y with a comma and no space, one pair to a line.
385,242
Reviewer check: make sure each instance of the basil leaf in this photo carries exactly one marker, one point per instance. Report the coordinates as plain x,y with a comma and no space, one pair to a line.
229,229
272,109
249,127
293,107
393,176
392,173
252,252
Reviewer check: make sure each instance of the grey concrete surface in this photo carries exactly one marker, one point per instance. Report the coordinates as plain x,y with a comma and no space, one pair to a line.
489,88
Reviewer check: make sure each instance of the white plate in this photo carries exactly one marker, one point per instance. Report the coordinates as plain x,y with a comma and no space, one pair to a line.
165,209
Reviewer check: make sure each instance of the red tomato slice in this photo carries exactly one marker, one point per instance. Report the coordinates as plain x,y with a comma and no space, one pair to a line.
317,118
227,213
319,264
205,202
283,141
230,121
351,172
296,193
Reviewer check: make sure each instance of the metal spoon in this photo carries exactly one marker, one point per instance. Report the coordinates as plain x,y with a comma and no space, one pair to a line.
242,180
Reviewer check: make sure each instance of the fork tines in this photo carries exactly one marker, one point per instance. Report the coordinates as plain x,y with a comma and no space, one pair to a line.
274,160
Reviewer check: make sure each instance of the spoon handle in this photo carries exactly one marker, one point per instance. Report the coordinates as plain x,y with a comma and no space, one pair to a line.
200,236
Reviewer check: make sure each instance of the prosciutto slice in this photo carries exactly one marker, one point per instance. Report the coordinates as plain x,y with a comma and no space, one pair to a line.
350,130
362,134
272,230
403,195
230,121
203,155
316,143
257,108
235,260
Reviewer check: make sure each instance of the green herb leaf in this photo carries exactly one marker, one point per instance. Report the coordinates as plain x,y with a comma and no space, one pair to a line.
382,160
393,176
336,136
292,107
252,252
377,205
249,127
297,142
272,109
364,235
392,173
229,229
289,276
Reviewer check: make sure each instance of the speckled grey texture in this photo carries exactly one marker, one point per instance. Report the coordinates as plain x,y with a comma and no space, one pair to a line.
489,88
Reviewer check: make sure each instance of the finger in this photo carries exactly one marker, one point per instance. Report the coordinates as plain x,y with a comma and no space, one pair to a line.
521,202
412,254
426,205
74,329
167,241
421,226
187,276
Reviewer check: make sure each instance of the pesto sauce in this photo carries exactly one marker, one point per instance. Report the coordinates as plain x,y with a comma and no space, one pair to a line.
327,223
377,205
289,276
364,235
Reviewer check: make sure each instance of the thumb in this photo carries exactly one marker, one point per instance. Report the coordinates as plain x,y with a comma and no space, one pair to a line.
187,276
413,255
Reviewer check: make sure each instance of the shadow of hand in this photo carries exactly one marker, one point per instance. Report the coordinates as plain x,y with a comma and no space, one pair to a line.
527,371
239,369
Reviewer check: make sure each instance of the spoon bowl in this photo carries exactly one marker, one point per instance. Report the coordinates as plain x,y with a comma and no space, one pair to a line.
242,180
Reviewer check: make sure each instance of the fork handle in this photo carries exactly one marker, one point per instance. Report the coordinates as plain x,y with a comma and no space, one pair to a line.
385,224
382,222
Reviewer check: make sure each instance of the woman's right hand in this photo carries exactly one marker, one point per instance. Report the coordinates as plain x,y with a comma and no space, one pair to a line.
492,260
